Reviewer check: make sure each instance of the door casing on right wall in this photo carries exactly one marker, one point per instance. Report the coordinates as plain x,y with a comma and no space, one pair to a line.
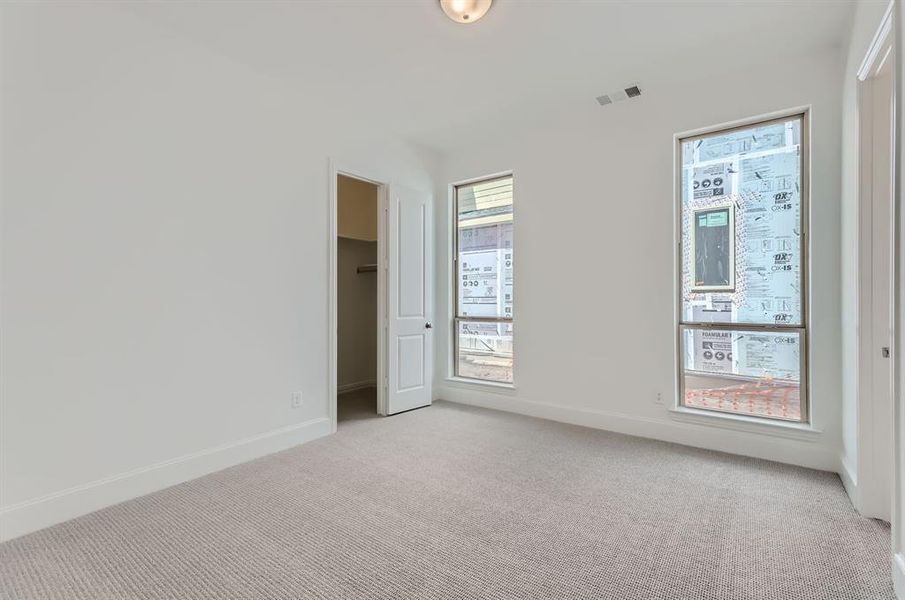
875,263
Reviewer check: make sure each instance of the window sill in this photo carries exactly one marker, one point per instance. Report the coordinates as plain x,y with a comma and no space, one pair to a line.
464,382
790,430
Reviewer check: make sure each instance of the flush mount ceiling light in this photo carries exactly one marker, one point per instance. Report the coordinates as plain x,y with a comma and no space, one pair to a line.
465,11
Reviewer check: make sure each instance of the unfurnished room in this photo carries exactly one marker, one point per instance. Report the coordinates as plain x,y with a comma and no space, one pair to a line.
414,299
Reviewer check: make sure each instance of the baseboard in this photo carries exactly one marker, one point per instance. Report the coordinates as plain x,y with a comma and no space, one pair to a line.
849,482
31,515
791,451
898,575
355,385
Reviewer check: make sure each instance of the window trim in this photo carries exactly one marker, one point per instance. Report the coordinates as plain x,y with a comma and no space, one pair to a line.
454,317
803,113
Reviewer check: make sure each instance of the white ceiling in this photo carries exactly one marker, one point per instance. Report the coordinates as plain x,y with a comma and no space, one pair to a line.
403,64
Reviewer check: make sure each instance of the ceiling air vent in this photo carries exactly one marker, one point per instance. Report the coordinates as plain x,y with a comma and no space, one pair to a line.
632,91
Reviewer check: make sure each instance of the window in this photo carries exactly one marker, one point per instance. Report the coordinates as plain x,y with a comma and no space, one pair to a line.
743,270
482,328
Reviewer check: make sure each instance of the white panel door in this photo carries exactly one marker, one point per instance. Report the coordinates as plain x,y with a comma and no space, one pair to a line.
879,502
409,306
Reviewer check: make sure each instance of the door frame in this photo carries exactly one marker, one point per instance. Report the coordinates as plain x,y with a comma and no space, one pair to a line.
868,499
335,169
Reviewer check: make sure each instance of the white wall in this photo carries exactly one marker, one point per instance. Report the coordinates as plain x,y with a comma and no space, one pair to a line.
164,258
867,17
594,302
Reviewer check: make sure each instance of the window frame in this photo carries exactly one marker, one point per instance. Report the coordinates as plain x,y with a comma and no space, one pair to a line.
803,328
455,316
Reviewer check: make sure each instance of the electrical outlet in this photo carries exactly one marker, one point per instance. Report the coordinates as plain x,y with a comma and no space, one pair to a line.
659,399
295,400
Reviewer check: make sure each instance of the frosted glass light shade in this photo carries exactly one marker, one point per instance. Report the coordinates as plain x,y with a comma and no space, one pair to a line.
465,11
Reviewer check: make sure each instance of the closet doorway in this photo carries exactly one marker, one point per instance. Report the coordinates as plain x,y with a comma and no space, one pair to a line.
357,252
380,347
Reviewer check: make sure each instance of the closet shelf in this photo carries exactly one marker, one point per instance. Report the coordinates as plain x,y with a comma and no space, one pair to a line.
366,268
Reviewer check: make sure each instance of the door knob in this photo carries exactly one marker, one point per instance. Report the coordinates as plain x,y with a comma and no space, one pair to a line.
428,325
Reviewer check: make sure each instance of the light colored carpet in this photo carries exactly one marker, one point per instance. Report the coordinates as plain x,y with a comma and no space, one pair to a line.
458,502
